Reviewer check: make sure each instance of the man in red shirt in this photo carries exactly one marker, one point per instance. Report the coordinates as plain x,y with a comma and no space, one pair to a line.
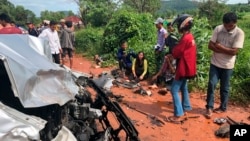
7,28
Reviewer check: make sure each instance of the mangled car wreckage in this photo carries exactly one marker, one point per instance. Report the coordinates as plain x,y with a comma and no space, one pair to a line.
40,100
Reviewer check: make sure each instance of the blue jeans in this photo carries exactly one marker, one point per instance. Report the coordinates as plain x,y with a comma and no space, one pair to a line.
180,106
216,74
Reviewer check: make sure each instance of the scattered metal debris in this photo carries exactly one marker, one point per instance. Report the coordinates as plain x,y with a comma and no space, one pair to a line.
154,119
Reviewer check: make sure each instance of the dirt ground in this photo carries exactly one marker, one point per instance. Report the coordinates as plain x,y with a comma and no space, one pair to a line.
194,129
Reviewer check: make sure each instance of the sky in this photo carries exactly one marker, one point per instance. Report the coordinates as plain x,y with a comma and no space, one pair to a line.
36,6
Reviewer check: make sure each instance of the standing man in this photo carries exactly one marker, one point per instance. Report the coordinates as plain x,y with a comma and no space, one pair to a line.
31,29
67,40
54,42
159,48
225,43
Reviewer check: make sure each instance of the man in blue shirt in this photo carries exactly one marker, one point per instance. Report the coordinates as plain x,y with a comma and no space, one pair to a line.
124,58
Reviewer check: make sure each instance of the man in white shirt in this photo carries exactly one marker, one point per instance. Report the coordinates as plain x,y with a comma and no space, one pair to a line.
54,42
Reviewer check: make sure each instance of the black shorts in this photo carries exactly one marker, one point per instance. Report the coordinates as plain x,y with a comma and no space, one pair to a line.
68,51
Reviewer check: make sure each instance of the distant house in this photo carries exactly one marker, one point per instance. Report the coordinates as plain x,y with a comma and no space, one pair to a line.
76,20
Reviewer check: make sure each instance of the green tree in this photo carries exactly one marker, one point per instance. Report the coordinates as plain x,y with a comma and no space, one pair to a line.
96,12
142,6
49,15
213,10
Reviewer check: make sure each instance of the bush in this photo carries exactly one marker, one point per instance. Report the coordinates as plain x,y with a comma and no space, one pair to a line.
89,41
137,29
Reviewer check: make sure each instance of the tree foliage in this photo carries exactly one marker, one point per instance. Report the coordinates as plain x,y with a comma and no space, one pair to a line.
50,15
143,6
213,10
18,14
96,12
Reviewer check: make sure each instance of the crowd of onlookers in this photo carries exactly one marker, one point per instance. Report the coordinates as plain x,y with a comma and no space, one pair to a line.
60,36
176,64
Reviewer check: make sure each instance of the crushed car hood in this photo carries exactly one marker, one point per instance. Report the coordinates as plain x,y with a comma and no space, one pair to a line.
34,78
18,126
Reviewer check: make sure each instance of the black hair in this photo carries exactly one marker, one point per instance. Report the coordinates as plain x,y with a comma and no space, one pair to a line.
5,17
69,24
52,23
229,17
138,62
122,42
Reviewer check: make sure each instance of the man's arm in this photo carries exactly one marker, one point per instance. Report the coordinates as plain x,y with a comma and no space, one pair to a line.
212,46
219,48
163,41
226,50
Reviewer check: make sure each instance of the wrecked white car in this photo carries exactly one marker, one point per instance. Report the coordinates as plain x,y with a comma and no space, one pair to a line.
40,100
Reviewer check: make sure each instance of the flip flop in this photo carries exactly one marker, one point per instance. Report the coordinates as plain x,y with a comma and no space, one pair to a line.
175,120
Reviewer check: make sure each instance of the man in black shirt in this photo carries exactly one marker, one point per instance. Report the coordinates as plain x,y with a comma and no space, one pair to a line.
31,29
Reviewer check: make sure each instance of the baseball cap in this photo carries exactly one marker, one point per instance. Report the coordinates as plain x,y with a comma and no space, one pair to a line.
159,20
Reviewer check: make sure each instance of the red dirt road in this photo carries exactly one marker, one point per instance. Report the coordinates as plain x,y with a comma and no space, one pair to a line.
194,129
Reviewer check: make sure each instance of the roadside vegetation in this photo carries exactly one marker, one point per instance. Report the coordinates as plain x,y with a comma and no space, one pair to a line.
107,23
138,29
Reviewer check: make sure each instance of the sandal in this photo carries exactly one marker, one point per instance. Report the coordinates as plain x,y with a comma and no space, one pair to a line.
176,119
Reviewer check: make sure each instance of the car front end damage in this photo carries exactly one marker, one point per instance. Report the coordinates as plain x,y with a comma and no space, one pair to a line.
40,100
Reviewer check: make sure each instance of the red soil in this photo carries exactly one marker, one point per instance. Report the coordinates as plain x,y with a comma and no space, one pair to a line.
194,129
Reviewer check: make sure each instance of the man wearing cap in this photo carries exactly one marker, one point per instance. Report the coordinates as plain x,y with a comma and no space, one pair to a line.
159,48
31,29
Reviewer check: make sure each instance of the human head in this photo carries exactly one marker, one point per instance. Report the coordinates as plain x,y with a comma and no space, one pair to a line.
124,45
30,25
170,27
52,25
184,23
69,24
4,19
140,55
229,21
46,22
159,23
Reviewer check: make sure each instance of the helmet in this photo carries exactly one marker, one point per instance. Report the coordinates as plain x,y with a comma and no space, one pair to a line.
183,21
